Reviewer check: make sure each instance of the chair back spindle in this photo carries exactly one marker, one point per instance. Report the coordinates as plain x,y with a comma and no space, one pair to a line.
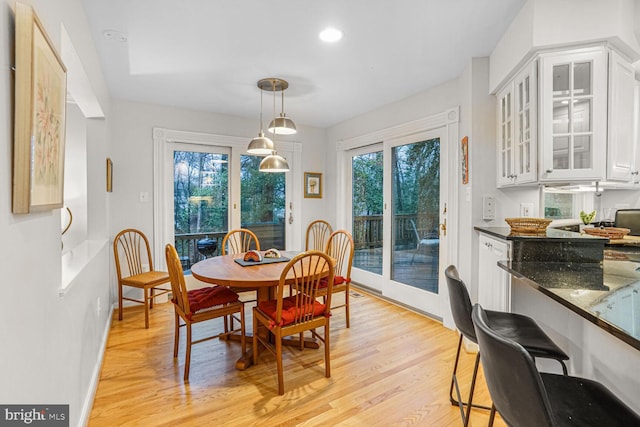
239,241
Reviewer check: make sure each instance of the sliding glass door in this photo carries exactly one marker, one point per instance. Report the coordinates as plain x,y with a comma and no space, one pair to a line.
397,210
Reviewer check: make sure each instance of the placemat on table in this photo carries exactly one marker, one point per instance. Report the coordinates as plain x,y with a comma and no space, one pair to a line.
244,263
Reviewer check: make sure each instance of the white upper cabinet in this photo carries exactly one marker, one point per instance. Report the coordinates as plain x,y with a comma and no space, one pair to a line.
517,126
573,115
621,165
573,119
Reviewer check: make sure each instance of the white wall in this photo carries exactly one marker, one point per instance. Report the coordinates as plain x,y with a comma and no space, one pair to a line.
550,23
50,345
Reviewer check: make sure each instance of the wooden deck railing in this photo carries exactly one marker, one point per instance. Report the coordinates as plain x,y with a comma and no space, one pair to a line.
367,234
270,236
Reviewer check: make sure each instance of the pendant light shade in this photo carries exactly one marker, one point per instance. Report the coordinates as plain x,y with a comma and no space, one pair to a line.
274,163
282,125
261,145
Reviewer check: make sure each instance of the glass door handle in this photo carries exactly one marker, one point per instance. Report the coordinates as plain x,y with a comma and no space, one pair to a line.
443,227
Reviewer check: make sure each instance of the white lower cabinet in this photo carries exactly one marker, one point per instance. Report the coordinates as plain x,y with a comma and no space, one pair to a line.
494,284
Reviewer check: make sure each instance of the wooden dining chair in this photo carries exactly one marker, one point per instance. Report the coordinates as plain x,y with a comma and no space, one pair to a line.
340,248
236,242
132,255
239,241
199,305
296,313
318,233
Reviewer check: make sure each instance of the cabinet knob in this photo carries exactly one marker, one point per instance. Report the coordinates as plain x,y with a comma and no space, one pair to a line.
549,170
634,173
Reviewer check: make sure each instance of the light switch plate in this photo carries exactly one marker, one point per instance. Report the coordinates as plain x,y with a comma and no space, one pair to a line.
488,208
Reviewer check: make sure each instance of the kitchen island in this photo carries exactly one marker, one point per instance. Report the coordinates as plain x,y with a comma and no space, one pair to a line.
591,310
607,294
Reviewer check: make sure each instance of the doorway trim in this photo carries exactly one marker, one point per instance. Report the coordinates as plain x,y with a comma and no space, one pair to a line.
448,120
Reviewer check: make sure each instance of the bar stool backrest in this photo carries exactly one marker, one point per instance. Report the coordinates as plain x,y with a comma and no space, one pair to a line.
513,381
460,303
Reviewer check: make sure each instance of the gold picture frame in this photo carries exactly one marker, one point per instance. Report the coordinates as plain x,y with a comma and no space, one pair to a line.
39,123
313,185
465,159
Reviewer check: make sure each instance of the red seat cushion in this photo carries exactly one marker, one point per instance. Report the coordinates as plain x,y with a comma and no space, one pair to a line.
289,309
210,297
337,280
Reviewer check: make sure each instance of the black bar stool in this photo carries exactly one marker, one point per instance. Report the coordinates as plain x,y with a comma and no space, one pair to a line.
517,327
541,399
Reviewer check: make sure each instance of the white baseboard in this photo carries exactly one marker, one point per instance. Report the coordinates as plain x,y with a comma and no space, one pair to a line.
95,377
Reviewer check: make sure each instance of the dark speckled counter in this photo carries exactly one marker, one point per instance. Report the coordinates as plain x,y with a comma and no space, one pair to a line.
600,283
552,246
606,294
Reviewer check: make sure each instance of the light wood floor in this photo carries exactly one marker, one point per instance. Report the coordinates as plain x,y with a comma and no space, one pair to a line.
391,368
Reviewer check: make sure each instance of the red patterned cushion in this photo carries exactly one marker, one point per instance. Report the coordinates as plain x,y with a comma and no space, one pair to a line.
289,309
209,297
337,280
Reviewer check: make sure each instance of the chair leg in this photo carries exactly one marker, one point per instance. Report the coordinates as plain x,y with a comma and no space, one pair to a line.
187,357
152,298
243,335
177,335
492,416
255,338
327,349
471,390
453,375
119,301
454,381
279,364
146,308
346,307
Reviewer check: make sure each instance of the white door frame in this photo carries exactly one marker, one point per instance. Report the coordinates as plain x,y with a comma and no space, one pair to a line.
164,143
448,122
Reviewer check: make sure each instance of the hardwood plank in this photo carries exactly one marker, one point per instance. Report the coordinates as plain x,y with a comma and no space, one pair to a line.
392,367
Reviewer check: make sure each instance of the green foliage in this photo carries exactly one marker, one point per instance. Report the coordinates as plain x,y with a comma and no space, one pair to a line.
367,184
262,195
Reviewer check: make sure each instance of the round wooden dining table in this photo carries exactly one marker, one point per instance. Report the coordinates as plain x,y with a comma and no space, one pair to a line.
225,271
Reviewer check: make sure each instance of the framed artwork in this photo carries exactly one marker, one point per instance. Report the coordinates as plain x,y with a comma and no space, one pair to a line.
39,125
312,185
465,160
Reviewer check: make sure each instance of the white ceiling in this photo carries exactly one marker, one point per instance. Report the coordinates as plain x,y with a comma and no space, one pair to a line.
208,55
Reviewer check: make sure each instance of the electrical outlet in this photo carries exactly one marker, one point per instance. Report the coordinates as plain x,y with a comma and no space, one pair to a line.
526,209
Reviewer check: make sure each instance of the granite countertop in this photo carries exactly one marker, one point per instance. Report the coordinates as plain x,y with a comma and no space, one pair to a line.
607,293
550,234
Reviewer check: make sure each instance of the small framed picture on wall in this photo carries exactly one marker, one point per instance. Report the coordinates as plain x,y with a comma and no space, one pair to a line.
313,185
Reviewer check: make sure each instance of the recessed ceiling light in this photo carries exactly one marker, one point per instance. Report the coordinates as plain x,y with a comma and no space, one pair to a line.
330,35
115,35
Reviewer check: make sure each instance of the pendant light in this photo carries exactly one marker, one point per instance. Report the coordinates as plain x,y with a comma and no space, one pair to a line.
282,125
273,163
260,145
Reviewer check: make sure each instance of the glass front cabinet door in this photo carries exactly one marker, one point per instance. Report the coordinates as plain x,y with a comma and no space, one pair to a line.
517,141
573,115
